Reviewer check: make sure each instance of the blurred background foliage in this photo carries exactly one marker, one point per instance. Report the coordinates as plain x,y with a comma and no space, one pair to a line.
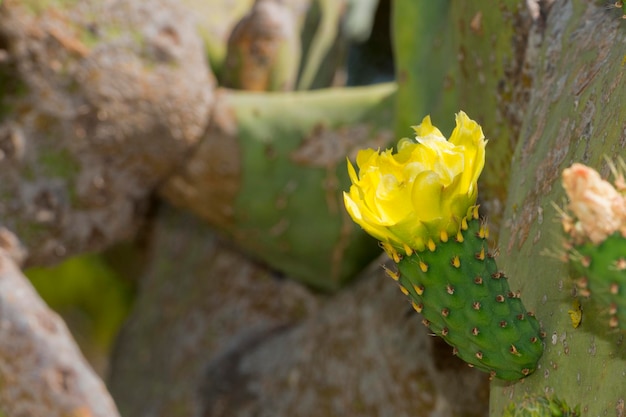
92,297
342,43
441,56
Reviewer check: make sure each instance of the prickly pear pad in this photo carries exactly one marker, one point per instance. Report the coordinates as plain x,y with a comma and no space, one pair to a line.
465,299
596,229
602,268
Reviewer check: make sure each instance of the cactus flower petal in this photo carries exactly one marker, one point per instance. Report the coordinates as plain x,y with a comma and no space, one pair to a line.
408,197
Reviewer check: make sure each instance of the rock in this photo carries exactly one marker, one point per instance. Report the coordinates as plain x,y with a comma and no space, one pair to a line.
215,334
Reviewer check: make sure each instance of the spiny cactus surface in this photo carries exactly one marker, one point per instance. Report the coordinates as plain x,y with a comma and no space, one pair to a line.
465,299
602,271
596,246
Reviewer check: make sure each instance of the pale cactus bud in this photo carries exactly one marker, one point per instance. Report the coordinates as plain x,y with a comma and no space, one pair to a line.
599,208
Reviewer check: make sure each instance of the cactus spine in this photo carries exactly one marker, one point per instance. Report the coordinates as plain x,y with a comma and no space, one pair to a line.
465,299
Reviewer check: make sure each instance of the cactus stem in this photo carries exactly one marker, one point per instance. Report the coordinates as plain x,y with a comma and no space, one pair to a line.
456,262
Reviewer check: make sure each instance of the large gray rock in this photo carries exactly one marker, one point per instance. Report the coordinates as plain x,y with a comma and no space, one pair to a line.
214,334
99,102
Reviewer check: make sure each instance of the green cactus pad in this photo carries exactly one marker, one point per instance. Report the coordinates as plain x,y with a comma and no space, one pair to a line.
603,276
541,407
465,299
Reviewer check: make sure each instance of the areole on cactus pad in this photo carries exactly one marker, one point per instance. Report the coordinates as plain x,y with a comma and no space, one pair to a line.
420,202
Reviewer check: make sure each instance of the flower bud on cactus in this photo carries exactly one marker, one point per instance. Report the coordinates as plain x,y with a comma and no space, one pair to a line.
420,203
597,232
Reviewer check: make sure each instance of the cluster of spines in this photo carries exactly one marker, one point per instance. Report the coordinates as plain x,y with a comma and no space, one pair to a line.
602,270
461,304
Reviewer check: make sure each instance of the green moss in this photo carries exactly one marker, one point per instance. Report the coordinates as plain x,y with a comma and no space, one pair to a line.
38,7
10,86
86,287
28,173
30,231
58,163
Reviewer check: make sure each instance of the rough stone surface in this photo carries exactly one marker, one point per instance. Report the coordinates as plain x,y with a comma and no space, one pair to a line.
42,372
105,99
218,335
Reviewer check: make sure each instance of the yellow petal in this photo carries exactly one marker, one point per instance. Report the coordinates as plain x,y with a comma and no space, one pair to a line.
420,192
367,222
426,129
352,173
466,132
426,196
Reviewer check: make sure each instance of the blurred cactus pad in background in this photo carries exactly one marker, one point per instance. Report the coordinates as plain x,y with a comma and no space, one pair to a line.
174,175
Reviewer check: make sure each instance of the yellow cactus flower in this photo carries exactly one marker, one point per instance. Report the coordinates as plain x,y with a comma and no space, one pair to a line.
410,197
